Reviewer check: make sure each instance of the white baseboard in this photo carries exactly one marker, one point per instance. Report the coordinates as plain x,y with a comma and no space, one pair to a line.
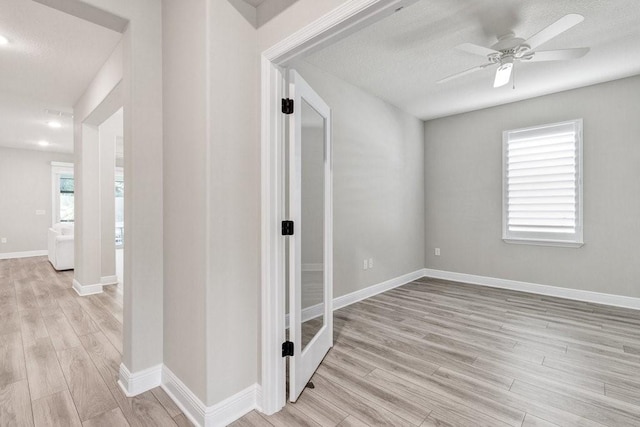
220,414
365,293
348,299
25,254
132,384
312,267
109,280
84,290
534,288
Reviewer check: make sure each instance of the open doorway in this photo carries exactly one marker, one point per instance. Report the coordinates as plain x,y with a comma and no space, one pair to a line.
411,73
112,187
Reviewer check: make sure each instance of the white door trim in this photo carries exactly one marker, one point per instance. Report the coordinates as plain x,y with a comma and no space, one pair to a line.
342,21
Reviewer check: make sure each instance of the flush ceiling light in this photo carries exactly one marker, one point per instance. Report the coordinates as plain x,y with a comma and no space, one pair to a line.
43,143
54,124
3,40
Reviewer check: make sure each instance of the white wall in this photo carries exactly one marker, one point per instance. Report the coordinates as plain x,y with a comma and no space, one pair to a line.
25,186
233,286
212,190
92,109
142,96
463,164
378,184
185,183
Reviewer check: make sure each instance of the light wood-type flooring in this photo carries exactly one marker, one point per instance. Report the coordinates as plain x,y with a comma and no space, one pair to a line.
60,355
437,353
430,353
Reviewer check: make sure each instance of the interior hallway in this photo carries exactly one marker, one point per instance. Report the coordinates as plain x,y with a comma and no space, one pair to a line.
60,354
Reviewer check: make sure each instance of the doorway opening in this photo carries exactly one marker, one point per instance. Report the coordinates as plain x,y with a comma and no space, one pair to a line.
279,268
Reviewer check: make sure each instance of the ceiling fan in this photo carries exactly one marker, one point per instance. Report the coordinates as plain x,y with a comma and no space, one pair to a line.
511,49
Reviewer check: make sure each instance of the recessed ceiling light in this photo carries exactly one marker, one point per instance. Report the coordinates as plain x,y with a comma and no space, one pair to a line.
3,40
43,143
54,124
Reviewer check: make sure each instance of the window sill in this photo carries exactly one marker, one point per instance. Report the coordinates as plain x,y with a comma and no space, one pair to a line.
556,243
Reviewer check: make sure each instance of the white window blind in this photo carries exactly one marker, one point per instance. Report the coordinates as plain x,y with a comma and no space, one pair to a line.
542,200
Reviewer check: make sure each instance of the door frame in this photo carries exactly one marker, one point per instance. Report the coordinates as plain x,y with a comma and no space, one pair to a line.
346,19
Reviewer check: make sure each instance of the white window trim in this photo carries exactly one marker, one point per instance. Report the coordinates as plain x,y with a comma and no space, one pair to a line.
575,240
57,169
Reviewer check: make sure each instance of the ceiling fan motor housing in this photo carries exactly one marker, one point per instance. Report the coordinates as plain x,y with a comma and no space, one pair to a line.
509,47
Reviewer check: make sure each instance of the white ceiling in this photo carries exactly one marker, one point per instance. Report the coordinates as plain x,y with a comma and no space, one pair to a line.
51,59
400,58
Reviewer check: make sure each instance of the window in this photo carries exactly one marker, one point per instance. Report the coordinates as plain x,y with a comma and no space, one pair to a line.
542,184
66,198
63,192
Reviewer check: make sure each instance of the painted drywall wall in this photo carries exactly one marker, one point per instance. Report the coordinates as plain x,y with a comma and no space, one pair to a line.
88,112
378,184
142,89
185,184
234,199
212,193
25,187
463,178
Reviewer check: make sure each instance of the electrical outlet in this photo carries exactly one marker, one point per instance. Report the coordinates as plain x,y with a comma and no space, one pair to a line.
3,240
370,262
365,265
437,251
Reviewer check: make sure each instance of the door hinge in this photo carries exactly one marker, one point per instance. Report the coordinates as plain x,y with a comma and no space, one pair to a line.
287,228
287,105
287,349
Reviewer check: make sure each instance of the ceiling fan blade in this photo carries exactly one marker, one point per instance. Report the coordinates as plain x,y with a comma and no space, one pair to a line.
558,27
464,73
558,55
476,49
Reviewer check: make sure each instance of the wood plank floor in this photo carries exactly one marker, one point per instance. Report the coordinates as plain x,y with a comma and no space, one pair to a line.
60,355
430,353
437,353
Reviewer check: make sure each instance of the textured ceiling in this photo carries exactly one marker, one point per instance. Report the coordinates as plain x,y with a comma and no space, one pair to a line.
401,57
50,60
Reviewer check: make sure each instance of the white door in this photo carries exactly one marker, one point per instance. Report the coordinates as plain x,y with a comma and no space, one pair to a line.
311,245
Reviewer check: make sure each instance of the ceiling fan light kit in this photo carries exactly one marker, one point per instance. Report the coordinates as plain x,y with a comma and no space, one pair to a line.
503,74
511,49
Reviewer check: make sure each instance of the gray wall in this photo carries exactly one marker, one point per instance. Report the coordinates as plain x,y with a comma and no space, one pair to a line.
25,186
378,184
233,288
185,182
211,197
463,194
